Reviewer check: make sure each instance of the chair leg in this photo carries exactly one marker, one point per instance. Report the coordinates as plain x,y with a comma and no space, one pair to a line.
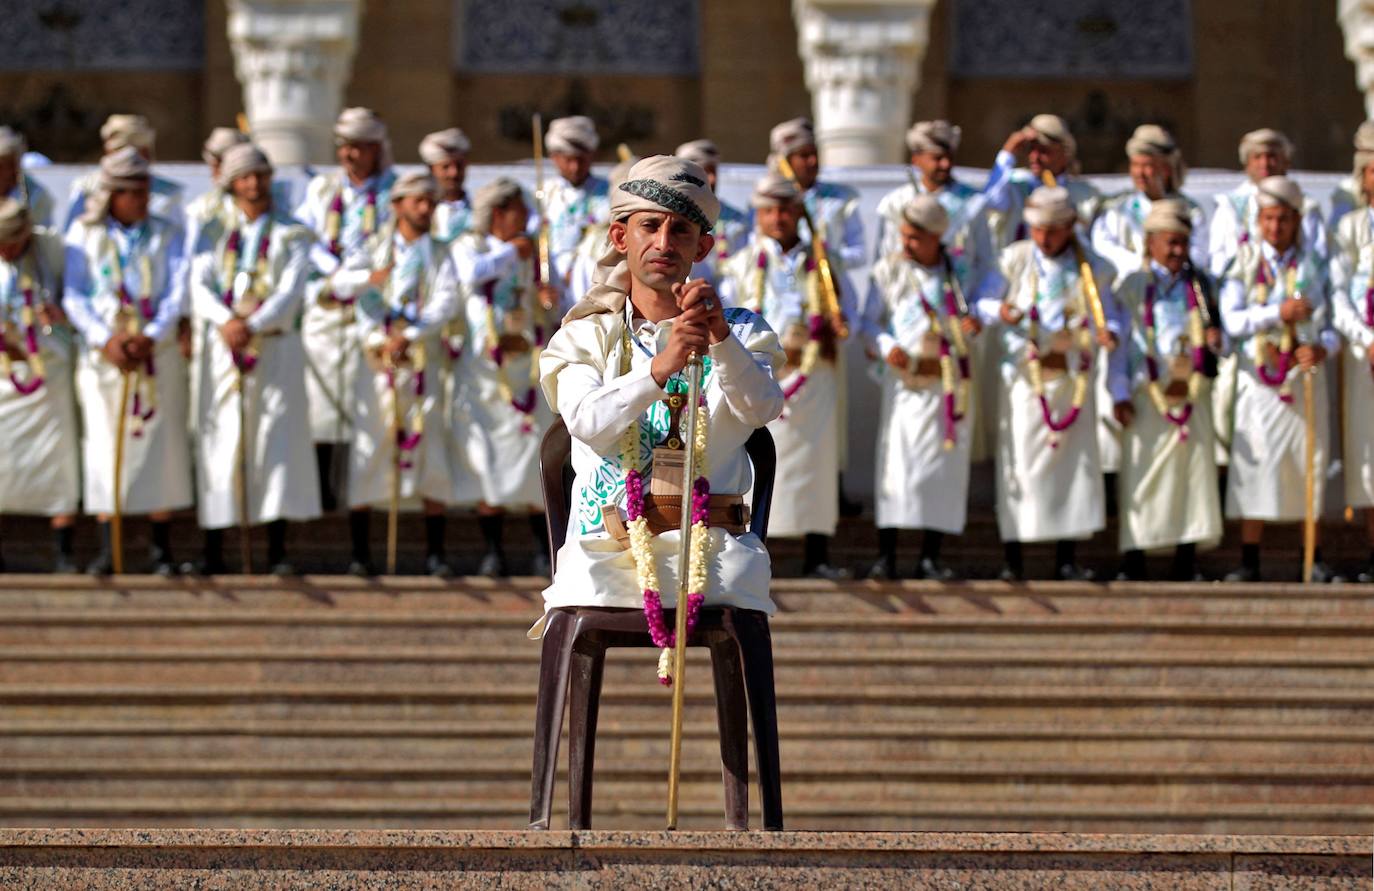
756,648
732,718
584,703
548,715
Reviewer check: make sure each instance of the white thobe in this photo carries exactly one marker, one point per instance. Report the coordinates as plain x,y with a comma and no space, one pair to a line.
1168,476
280,482
1268,448
1118,233
39,434
581,375
418,298
1009,186
166,198
919,483
333,350
157,462
569,211
1235,222
1046,491
451,218
494,441
1352,314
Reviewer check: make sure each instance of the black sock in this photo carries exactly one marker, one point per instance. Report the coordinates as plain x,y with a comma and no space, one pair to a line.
276,542
359,529
64,537
106,539
1014,557
1109,484
930,545
434,535
214,548
324,458
1317,554
887,547
1064,552
539,528
492,526
1371,556
1185,562
1249,556
162,541
816,551
1133,563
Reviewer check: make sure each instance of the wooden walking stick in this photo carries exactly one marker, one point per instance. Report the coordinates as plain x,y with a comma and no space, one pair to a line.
117,518
394,507
1085,270
1309,526
541,266
690,458
241,482
830,292
1340,415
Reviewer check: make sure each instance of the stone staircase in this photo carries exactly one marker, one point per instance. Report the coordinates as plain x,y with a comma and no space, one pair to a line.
407,703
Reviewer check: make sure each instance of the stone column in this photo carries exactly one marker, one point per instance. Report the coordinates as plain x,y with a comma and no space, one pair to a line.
293,58
863,60
1357,20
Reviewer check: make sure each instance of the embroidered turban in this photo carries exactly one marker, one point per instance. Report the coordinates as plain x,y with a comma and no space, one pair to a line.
572,136
444,146
1279,190
1266,138
925,212
1050,206
1169,215
241,160
933,136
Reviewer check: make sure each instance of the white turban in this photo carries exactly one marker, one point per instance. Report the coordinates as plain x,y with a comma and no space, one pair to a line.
415,182
1154,141
15,220
933,136
221,140
1051,128
702,151
1050,206
1259,140
657,183
791,136
362,125
774,189
1279,190
1169,215
444,146
120,130
124,168
1364,137
572,136
11,143
497,193
926,212
241,160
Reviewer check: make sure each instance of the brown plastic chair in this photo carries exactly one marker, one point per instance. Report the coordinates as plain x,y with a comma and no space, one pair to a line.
574,657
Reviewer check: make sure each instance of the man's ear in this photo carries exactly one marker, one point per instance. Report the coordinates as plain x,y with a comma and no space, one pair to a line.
704,245
616,235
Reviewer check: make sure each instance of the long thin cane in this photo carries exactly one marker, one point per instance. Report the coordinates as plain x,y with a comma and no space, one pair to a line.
1340,415
394,508
694,370
245,544
117,518
1309,528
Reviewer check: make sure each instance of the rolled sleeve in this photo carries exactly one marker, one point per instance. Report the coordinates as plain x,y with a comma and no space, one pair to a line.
598,413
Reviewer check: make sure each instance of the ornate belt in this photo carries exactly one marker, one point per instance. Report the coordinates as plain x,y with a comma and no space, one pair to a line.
664,512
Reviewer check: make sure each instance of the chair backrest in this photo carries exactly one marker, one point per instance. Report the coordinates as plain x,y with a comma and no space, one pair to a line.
556,475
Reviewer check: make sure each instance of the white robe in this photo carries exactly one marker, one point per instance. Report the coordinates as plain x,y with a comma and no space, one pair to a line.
333,347
1118,233
39,434
570,211
1268,450
581,375
1235,222
157,463
1009,186
451,218
420,296
1046,492
808,432
1353,269
1168,480
496,444
281,481
920,484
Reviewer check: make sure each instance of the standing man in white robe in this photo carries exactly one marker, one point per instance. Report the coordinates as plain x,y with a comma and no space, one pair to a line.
1049,476
732,229
916,324
593,244
1050,149
1349,194
215,203
121,131
344,209
611,367
498,417
1169,495
775,276
247,286
16,184
39,434
1352,272
1276,297
575,199
445,153
406,292
125,287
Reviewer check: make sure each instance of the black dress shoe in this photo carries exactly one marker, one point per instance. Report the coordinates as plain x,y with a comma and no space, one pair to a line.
540,566
63,564
1072,572
1366,575
165,568
1010,575
437,567
102,565
493,566
828,573
284,569
934,570
204,568
881,571
1243,574
1323,574
361,569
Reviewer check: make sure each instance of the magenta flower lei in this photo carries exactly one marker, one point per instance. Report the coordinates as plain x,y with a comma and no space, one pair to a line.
1084,366
1180,417
952,415
32,385
243,360
524,404
1275,378
406,440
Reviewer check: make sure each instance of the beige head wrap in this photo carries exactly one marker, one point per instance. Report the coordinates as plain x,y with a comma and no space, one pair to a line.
927,213
415,182
702,151
572,136
1258,140
933,136
360,124
1051,128
657,183
120,130
1154,141
444,146
240,160
1279,190
1050,206
11,143
1169,215
124,168
15,220
497,193
221,140
774,189
791,136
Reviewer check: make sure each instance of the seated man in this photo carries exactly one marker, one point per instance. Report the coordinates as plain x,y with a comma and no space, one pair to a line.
615,372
